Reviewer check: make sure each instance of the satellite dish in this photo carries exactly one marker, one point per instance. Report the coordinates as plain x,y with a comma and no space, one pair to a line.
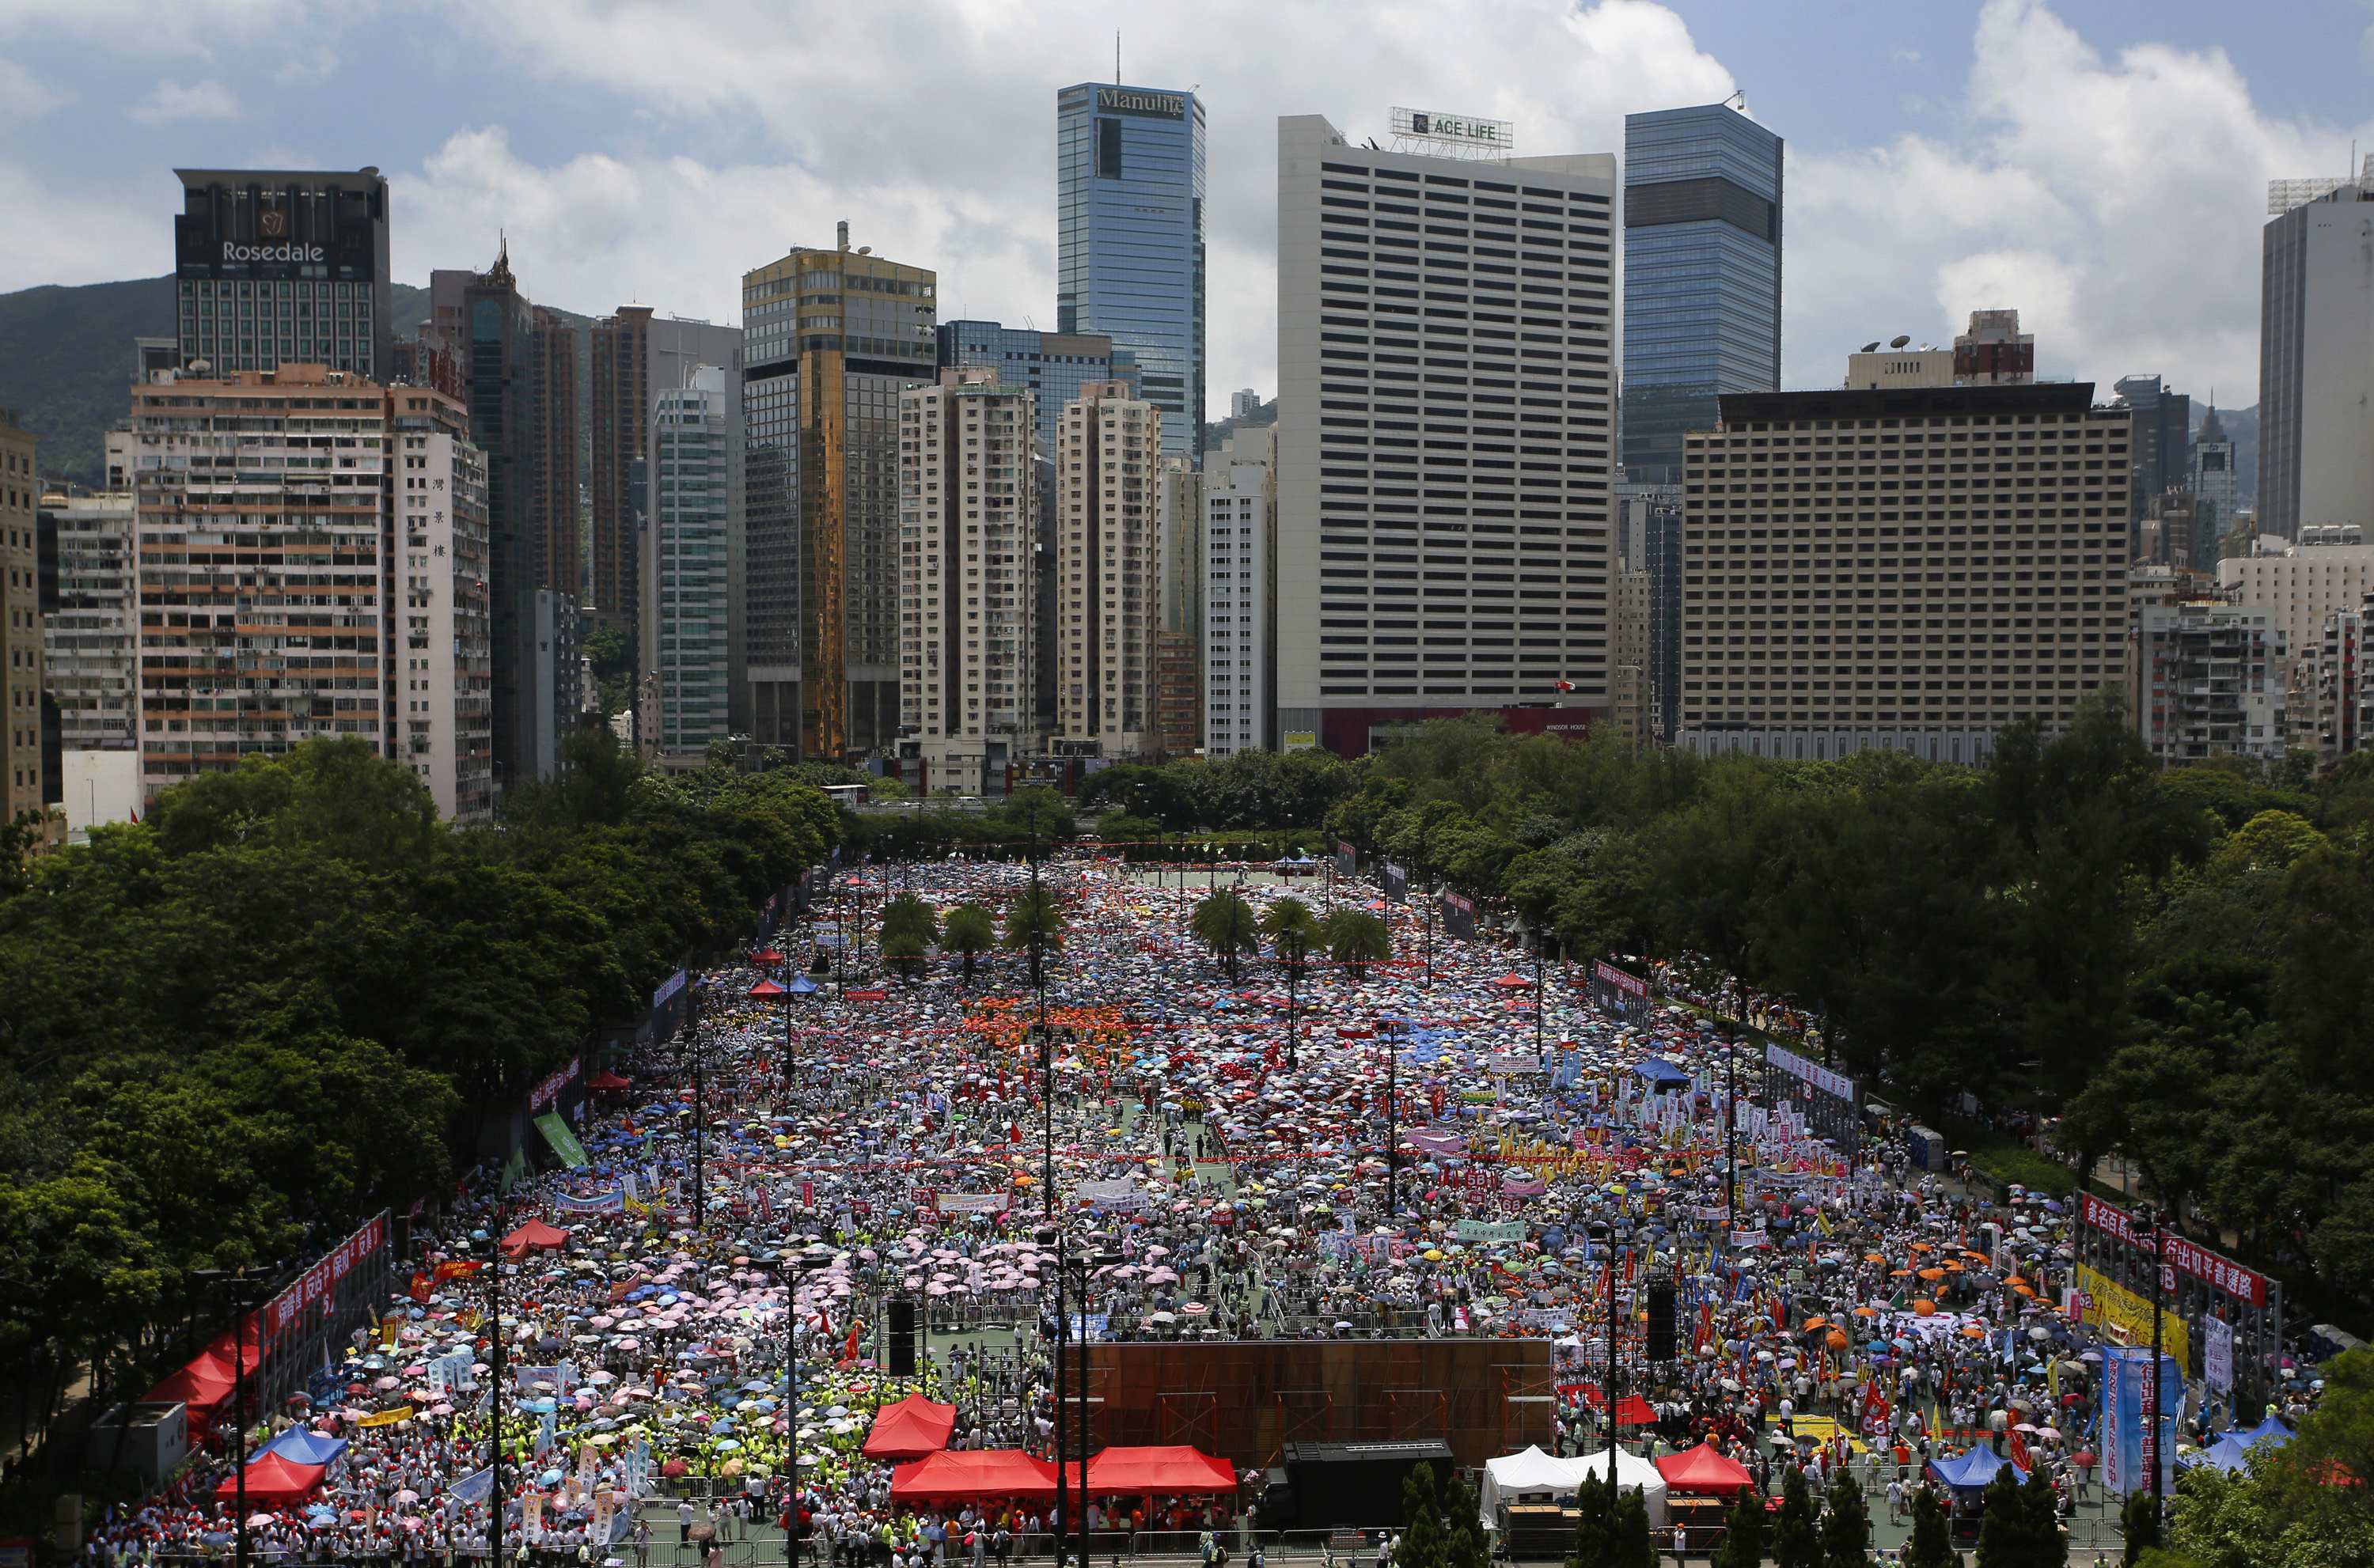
1871,347
1898,342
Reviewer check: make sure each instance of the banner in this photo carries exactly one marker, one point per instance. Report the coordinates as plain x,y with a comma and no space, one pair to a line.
560,1078
970,1202
2185,1256
1121,1194
1616,978
456,1269
2127,1442
1397,884
2106,1301
1490,1232
1812,1073
610,1201
1347,859
475,1488
386,1418
564,1142
322,1278
2218,1355
1459,917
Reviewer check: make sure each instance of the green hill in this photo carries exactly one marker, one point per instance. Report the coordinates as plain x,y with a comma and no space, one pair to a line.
65,360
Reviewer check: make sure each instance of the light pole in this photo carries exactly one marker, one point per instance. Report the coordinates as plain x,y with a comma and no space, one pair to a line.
1731,1132
1066,1267
1393,1115
1609,1233
237,1288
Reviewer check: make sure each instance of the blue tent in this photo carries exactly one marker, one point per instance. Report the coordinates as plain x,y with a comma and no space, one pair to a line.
2271,1429
802,986
1973,1471
2231,1452
299,1447
1662,1073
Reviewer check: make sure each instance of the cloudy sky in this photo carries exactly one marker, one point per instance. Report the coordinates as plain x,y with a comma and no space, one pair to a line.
2099,164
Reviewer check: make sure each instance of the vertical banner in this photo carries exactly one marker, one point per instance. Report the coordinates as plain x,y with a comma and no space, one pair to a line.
2218,1355
1397,884
2131,1439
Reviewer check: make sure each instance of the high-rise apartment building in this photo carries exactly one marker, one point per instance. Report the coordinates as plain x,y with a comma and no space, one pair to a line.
504,367
692,634
1129,246
1702,274
968,531
2208,682
20,597
2301,585
1445,382
830,340
1054,365
634,355
92,654
2336,702
1649,547
1902,569
2316,358
440,644
278,265
1243,403
1108,581
1240,570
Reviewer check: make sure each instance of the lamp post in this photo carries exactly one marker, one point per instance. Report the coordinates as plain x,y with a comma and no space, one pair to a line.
1731,1132
1610,1234
1066,1267
806,1263
237,1288
1393,1114
495,1387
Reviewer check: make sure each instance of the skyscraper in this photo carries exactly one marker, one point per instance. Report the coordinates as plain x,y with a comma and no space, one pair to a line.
1701,275
691,633
1109,584
831,339
1240,566
635,355
1442,456
20,748
2162,442
93,656
283,265
2316,359
1129,261
2217,487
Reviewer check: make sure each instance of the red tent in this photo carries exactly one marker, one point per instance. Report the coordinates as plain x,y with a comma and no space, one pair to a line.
275,1478
974,1475
764,989
608,1083
909,1428
1703,1469
1142,1472
202,1385
535,1236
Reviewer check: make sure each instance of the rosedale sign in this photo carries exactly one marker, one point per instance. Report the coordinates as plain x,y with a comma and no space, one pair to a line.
234,252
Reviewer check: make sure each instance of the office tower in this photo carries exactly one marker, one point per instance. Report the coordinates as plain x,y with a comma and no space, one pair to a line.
691,634
278,265
1129,246
967,591
1456,311
1239,569
291,465
91,651
2316,357
2300,584
1241,404
634,355
1109,587
1702,274
1826,607
2216,487
2208,682
1994,352
440,654
2163,446
503,366
1054,365
20,596
830,340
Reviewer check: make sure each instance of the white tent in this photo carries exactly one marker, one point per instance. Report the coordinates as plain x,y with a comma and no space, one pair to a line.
1632,1470
1531,1473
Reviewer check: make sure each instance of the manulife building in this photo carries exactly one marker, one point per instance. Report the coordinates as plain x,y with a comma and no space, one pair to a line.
1130,239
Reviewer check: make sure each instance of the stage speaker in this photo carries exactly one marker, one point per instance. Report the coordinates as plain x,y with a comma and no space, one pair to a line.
902,1338
1660,1322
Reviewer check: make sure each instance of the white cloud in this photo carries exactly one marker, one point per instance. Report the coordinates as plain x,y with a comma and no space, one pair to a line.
24,95
176,101
2116,203
75,235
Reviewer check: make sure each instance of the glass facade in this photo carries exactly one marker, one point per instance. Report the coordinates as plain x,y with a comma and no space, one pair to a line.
693,503
1130,240
1702,204
1053,365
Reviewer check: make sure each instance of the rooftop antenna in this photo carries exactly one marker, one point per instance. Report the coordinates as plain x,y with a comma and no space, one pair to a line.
1117,73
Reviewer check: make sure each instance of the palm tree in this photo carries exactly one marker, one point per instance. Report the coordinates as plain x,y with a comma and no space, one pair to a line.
1293,932
1032,923
968,930
904,952
908,916
1225,923
1355,939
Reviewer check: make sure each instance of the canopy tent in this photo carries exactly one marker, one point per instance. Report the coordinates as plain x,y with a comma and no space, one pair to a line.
972,1475
1703,1469
275,1479
1142,1472
911,1428
608,1083
1971,1471
1530,1473
1632,1470
1662,1073
1630,1410
202,1385
2270,1430
2232,1451
535,1236
304,1447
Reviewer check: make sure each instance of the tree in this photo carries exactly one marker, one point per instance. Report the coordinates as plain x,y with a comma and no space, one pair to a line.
1931,1545
2021,1528
967,930
905,952
1845,1525
1796,1538
909,915
1034,922
1742,1541
1424,1544
1629,1540
1467,1547
1355,939
1292,929
1224,922
2139,1525
1594,1537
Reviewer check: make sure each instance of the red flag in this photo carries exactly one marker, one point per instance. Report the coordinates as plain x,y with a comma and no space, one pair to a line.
420,1287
